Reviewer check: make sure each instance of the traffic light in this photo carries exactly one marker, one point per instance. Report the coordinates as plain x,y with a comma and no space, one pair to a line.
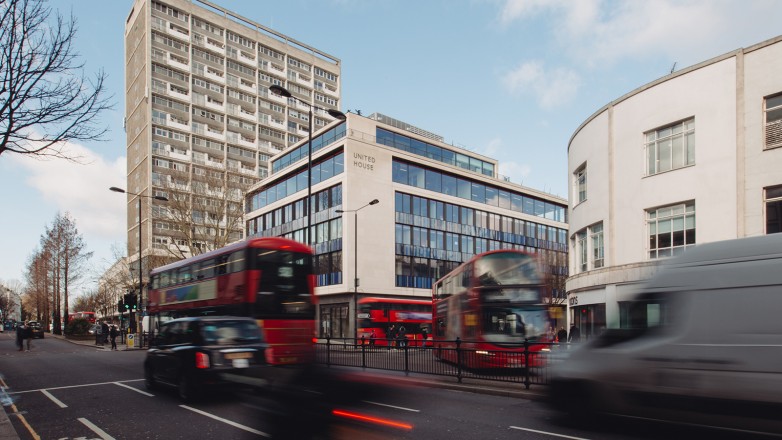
121,306
130,302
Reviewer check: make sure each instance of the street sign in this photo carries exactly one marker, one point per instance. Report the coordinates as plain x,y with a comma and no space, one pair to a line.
131,340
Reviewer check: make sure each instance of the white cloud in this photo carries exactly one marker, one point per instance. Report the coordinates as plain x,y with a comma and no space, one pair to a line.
551,88
515,171
82,189
594,32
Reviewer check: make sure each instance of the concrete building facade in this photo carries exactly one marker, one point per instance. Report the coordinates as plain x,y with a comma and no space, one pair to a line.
438,205
200,122
690,158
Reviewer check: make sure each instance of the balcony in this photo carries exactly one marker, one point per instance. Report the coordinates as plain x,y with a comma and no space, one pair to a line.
174,62
174,122
215,46
214,76
177,32
219,106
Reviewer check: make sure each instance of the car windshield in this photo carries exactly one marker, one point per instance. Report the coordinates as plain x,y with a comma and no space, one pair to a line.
230,332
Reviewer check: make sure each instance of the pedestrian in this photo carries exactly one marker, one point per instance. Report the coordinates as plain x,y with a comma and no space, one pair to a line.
372,337
401,337
20,335
424,336
562,335
391,336
28,334
113,335
575,334
104,328
98,333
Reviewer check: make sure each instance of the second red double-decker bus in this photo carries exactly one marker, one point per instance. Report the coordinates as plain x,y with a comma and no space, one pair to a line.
492,303
269,279
379,314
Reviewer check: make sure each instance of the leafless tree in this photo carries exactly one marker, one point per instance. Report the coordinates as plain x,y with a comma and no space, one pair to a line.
10,292
203,212
45,98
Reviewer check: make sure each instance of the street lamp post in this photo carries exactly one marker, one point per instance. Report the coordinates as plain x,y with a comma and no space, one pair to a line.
355,263
282,91
140,302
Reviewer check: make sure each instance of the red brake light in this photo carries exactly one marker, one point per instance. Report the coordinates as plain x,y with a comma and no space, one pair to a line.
201,361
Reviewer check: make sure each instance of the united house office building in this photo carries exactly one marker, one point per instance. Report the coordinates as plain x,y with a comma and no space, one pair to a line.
438,206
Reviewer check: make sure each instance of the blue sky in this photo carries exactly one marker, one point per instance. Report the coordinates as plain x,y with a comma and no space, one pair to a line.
510,79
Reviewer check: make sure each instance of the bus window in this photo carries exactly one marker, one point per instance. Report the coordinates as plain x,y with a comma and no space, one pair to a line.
207,269
236,262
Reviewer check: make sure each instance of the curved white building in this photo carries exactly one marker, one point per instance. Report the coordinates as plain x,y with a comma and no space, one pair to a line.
691,158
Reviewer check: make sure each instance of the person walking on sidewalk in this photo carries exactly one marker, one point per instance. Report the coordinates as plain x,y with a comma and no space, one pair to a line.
20,336
113,335
28,334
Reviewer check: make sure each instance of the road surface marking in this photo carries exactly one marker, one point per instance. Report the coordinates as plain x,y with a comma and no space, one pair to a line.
548,433
226,421
101,433
54,399
18,414
74,386
134,389
392,406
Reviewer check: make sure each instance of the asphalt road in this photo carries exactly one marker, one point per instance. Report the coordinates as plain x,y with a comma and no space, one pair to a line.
62,390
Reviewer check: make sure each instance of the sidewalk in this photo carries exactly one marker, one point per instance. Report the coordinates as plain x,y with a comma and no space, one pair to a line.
91,343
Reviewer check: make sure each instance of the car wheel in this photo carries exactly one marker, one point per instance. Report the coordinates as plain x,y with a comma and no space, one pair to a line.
188,390
149,378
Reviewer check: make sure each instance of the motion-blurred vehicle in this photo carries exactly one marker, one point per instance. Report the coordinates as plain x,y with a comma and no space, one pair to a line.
190,353
36,329
704,346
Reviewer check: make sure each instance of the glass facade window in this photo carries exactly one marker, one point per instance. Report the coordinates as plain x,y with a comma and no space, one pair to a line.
420,177
598,252
671,229
433,237
323,170
670,147
424,149
301,152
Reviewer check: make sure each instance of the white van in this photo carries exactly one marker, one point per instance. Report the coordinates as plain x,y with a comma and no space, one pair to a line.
705,345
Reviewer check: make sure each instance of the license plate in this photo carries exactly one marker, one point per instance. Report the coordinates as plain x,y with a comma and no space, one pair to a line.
241,363
288,360
242,355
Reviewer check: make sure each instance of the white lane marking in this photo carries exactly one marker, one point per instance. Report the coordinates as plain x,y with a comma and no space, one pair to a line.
73,386
547,433
101,433
392,406
134,389
226,421
54,399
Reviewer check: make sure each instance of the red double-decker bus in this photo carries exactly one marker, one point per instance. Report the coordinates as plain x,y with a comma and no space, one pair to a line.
89,316
493,303
269,279
379,314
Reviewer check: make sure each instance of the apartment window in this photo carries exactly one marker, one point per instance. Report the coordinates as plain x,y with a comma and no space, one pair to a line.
670,147
598,251
671,229
580,184
773,105
583,253
773,201
590,249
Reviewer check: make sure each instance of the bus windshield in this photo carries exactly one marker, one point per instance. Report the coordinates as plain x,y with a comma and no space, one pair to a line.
283,289
513,324
506,269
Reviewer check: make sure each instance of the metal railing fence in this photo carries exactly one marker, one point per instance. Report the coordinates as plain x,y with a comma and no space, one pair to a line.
526,363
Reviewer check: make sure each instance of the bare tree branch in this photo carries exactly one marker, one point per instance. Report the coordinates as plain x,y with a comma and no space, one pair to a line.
45,99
